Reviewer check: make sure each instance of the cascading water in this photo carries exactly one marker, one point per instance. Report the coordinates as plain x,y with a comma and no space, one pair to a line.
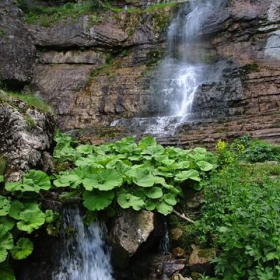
181,73
85,256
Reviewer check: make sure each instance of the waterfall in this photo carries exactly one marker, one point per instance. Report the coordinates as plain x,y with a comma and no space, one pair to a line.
85,255
181,73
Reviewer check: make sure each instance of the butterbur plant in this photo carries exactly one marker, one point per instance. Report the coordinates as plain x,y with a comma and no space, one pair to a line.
20,216
145,175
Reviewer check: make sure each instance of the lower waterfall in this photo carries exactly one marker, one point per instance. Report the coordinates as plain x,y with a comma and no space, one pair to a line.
85,255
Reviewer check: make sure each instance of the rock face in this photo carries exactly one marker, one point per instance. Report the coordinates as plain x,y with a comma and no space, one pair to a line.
25,136
95,72
16,47
92,72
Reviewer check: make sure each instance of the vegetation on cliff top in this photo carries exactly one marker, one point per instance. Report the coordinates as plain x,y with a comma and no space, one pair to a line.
46,16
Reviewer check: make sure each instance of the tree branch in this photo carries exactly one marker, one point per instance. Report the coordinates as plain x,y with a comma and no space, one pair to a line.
182,216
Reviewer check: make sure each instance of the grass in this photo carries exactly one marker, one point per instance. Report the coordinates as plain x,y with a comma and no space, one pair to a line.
31,100
47,16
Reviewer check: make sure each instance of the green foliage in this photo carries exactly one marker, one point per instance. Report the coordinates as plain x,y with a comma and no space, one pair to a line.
6,272
22,249
20,215
247,148
141,176
241,217
33,181
259,151
124,174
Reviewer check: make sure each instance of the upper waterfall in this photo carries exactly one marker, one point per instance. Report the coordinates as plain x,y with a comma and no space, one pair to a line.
181,73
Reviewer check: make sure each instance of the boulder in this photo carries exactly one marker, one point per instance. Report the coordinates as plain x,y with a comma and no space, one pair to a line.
129,231
26,136
17,52
200,260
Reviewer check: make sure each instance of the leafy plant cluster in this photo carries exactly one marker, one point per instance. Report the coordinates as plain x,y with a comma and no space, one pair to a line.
241,215
110,176
21,215
141,176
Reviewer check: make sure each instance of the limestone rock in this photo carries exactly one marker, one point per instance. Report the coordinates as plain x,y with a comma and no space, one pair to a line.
17,52
25,136
129,231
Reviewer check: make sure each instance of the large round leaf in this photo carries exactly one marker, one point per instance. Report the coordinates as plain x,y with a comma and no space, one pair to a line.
30,220
154,192
126,200
16,208
170,198
164,208
6,238
37,179
204,165
150,204
143,177
146,142
4,205
3,254
105,180
6,242
22,249
189,174
8,222
97,200
33,181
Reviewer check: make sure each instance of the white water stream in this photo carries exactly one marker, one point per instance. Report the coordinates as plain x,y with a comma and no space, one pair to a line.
85,256
181,73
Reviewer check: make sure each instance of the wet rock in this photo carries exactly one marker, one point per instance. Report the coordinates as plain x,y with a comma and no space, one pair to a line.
178,276
172,266
129,231
178,253
17,51
199,260
25,136
176,233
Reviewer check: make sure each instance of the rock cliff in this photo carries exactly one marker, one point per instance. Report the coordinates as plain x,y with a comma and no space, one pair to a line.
97,67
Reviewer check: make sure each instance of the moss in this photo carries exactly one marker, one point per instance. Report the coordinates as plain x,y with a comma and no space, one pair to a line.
3,164
189,233
2,32
29,121
251,67
206,253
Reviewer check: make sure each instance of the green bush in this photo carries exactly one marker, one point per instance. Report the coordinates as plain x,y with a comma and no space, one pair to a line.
241,219
257,150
